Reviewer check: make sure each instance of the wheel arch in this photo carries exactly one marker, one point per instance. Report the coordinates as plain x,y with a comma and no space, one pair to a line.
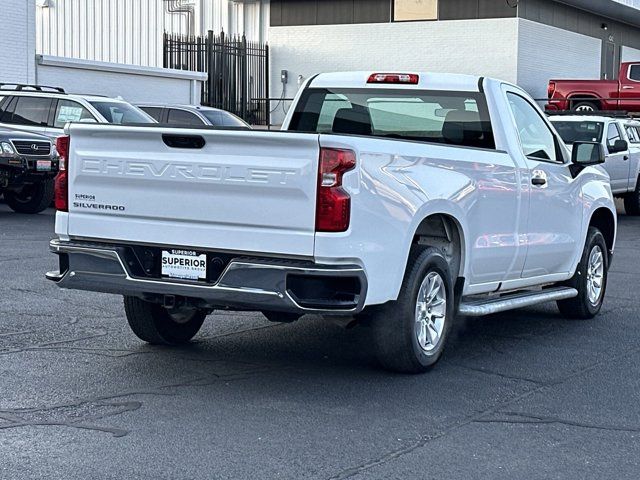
604,220
443,231
584,97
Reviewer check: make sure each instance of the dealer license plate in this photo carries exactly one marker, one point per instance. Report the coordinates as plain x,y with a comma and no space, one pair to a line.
43,165
184,264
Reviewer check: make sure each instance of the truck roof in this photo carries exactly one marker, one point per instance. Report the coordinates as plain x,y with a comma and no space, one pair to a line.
585,118
426,81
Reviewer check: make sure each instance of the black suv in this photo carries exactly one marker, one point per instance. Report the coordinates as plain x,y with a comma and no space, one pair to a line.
28,165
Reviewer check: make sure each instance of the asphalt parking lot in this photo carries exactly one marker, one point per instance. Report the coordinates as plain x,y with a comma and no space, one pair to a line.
524,394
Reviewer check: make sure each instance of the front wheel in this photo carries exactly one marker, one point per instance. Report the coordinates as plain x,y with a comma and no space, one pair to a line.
158,325
33,198
410,333
590,279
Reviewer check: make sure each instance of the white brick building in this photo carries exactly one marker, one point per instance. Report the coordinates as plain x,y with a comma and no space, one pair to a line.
17,41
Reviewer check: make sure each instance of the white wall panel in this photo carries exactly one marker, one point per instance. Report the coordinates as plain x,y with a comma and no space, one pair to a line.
478,47
17,41
630,54
546,52
133,83
130,31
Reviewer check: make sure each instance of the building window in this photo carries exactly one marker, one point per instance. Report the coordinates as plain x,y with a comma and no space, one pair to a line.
406,10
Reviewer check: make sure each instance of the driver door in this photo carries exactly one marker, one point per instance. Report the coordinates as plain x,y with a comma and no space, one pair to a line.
554,226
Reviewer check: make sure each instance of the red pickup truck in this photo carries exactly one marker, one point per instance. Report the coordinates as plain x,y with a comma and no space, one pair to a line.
591,95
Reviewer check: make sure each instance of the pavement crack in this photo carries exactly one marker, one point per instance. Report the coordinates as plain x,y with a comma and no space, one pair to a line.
475,418
499,374
523,419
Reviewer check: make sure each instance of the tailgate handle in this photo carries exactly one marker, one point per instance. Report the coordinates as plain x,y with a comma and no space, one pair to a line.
183,141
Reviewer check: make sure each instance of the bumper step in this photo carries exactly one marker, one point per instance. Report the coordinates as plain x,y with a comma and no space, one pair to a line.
479,308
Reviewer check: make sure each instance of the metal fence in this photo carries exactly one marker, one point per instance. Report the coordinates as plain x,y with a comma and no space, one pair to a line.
238,71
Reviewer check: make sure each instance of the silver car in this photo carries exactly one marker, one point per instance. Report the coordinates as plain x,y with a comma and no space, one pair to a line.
192,115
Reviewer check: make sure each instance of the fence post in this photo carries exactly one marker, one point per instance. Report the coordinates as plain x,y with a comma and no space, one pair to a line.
243,78
210,69
266,81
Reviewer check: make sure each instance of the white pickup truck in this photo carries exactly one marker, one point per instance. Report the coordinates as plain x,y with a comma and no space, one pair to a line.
401,200
620,138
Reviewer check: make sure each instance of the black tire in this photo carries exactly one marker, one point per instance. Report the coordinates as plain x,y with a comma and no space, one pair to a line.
157,325
33,198
581,307
632,201
585,106
394,325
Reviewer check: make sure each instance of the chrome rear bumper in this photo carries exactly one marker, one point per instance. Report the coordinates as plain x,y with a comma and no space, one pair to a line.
245,284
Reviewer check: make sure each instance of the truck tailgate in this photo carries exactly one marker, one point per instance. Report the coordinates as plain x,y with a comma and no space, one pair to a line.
241,191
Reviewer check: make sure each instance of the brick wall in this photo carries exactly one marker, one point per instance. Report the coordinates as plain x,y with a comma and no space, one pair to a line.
17,41
546,52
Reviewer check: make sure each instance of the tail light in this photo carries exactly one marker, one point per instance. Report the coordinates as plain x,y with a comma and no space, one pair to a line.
406,78
551,89
333,203
62,184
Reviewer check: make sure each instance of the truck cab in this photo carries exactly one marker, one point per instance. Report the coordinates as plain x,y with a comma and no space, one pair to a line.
620,138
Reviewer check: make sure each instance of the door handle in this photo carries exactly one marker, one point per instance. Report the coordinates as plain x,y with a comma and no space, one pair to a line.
538,178
626,157
538,181
627,87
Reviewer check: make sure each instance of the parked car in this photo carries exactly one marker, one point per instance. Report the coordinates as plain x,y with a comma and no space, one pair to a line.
192,115
399,200
620,139
46,110
592,95
28,165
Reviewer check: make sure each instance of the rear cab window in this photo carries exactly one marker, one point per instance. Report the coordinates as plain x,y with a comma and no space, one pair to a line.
445,117
632,133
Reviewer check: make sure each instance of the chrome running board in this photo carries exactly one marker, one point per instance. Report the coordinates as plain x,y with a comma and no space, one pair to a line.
481,307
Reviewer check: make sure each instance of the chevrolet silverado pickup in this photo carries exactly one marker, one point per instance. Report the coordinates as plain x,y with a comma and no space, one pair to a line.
398,200
592,95
620,138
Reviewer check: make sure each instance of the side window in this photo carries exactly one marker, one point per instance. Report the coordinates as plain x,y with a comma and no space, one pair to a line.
613,134
155,112
69,111
634,72
7,112
182,117
537,140
31,111
632,133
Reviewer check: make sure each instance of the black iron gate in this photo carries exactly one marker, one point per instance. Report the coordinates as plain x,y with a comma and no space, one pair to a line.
238,71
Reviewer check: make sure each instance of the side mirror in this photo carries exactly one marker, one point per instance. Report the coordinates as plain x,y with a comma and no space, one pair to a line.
588,153
619,146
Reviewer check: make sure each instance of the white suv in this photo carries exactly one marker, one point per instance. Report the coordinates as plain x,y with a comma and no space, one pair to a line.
46,110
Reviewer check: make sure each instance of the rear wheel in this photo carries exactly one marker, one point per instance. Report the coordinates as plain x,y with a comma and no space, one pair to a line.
158,325
590,279
410,333
585,107
33,198
632,201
